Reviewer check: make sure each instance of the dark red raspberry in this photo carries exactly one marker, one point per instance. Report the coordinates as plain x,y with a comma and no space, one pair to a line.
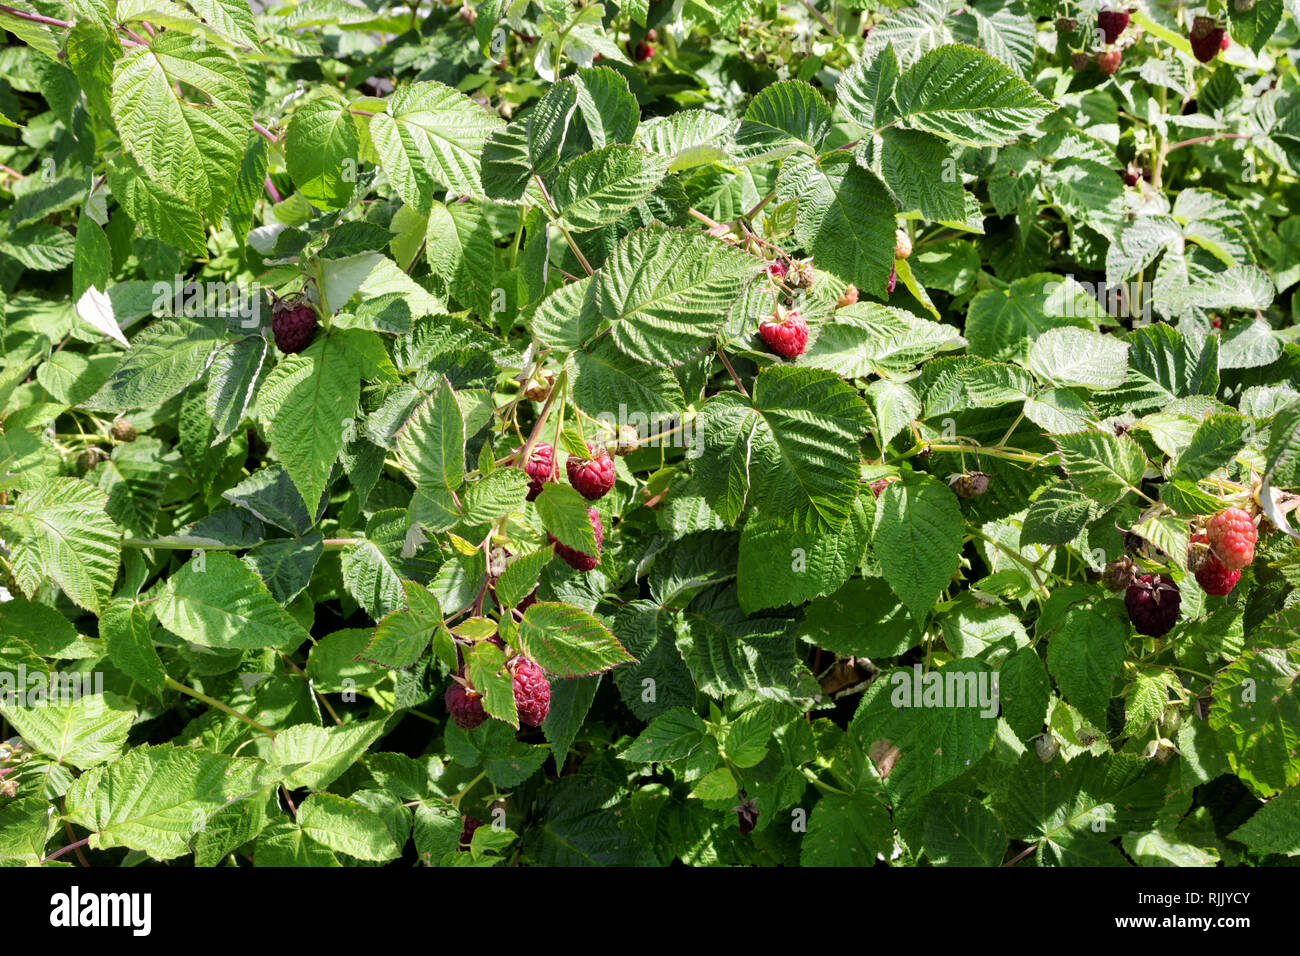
467,830
1112,23
777,269
643,52
787,338
532,692
574,558
1108,61
1215,579
1232,537
1131,175
1207,38
849,297
293,322
893,280
594,476
540,468
746,813
1152,601
466,708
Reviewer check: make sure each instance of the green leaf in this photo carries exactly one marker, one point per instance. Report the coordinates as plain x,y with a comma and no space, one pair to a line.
676,736
847,830
1104,465
401,637
568,642
84,731
1275,827
190,143
1255,714
918,540
779,566
597,188
125,627
794,450
845,217
666,292
432,136
62,532
1077,357
1085,655
158,211
309,402
968,96
784,117
305,755
961,831
1214,443
320,150
215,600
564,514
154,799
431,445
162,360
346,826
1024,692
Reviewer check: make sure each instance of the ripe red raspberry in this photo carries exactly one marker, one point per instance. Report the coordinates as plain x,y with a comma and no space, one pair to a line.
532,692
1152,601
594,476
787,338
466,708
467,830
1207,38
540,468
777,269
1232,538
850,297
1108,61
642,52
578,560
893,279
293,322
1131,175
1215,579
1112,23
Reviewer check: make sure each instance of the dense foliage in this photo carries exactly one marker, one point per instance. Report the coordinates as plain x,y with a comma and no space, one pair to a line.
720,432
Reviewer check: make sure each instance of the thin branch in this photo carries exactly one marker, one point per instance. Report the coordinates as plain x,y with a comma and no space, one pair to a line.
734,377
213,702
821,19
270,137
35,17
1206,139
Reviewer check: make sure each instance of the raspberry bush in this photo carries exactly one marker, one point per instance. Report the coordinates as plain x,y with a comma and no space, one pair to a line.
726,433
